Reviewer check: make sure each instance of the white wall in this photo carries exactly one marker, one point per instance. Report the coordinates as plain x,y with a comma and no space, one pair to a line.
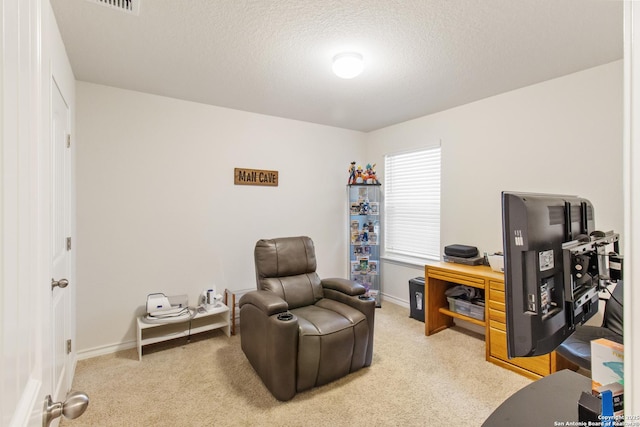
559,136
158,210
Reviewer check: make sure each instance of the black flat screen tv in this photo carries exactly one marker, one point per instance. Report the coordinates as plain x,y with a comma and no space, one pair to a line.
546,295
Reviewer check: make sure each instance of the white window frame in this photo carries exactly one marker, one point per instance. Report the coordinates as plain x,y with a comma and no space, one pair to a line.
412,185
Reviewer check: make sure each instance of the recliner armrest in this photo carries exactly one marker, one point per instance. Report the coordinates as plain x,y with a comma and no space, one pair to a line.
350,293
266,301
343,285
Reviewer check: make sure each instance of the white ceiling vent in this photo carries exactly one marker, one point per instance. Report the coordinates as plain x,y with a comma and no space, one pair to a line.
128,6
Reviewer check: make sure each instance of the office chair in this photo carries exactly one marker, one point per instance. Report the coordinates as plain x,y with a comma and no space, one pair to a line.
577,348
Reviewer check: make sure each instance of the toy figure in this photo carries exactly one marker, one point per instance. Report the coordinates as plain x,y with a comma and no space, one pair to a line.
359,179
365,207
352,173
359,176
371,174
365,233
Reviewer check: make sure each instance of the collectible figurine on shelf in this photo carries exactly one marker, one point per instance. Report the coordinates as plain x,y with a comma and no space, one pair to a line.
365,233
370,174
352,173
365,174
359,178
365,207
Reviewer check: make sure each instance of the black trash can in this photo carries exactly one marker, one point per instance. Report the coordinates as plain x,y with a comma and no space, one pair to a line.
416,298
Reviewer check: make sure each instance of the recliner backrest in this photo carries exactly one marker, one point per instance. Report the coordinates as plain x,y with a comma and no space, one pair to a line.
613,312
287,267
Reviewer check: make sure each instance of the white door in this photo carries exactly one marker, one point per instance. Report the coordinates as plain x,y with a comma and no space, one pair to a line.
25,219
60,246
34,212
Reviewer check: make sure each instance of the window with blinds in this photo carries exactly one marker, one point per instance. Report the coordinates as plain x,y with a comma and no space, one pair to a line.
412,204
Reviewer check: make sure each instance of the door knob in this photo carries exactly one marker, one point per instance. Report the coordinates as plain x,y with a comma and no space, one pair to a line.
63,283
74,406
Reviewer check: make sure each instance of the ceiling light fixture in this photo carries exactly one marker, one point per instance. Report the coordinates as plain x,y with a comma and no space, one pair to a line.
348,65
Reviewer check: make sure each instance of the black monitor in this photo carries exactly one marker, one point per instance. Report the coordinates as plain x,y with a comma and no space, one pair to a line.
552,269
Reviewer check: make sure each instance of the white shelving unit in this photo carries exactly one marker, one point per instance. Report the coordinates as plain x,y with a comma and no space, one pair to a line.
204,320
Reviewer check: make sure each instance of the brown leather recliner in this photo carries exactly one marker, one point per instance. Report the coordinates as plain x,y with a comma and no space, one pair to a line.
297,330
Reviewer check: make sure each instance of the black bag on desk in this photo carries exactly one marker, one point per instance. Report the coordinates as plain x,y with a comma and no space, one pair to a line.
461,251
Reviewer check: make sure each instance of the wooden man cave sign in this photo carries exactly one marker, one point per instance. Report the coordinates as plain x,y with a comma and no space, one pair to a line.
243,176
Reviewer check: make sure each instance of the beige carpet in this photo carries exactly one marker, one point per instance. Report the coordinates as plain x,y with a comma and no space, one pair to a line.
414,381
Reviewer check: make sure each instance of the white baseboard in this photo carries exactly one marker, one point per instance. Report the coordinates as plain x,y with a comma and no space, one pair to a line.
106,349
113,348
395,300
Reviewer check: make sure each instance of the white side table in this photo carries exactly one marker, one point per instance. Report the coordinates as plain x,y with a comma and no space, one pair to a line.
204,320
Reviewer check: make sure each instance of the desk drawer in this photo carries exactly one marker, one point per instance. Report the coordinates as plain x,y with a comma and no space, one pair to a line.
497,316
456,278
540,365
495,295
497,325
498,286
498,306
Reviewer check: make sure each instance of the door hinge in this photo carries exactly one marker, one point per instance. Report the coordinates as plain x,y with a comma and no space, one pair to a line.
68,243
68,140
68,346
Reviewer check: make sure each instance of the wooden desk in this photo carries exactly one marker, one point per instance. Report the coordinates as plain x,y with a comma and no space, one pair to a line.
442,275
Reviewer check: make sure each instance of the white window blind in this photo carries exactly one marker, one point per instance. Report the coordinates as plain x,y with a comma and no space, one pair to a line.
412,204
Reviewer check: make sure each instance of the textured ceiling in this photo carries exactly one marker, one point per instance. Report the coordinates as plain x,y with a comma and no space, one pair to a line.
274,56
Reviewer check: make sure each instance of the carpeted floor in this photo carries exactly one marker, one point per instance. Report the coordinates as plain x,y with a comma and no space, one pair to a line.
414,381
